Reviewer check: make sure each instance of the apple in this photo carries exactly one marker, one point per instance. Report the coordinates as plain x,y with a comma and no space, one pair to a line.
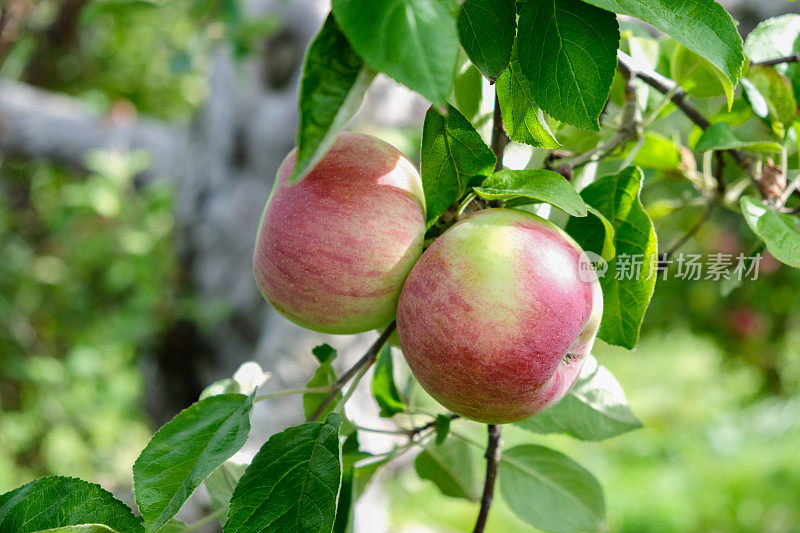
334,248
498,314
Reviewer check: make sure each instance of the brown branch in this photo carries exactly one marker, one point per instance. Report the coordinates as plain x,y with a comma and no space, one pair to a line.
666,87
677,96
794,58
366,360
492,458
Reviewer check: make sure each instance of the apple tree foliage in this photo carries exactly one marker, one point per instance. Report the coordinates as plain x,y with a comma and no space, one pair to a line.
588,91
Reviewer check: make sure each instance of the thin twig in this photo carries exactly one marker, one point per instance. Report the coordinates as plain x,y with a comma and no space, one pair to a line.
492,458
693,230
419,429
794,58
366,360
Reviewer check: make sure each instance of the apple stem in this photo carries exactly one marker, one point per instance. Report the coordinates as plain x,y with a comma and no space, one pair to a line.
492,458
365,362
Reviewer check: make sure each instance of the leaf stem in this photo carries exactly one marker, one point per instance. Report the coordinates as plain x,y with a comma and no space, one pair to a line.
492,457
365,362
291,392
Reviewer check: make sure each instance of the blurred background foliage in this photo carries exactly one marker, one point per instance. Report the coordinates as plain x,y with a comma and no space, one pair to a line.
89,281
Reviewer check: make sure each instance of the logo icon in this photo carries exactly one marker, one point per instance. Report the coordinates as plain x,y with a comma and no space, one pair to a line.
591,266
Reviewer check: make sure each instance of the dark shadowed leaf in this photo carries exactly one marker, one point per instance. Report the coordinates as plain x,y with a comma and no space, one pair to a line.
454,466
568,53
703,26
185,451
333,85
324,353
522,118
293,482
412,41
452,153
631,276
538,184
779,231
56,502
486,29
548,490
442,425
594,409
384,389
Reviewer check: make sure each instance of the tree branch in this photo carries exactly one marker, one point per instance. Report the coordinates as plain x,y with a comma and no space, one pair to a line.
366,360
39,124
492,458
794,58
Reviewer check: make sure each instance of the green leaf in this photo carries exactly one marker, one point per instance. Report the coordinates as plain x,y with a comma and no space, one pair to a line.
220,485
777,92
185,451
550,491
609,248
323,376
625,300
56,502
452,153
777,37
702,26
780,232
524,121
468,92
333,85
486,29
720,137
538,184
412,41
594,409
384,389
293,482
325,353
454,466
696,75
657,152
568,52
83,528
442,426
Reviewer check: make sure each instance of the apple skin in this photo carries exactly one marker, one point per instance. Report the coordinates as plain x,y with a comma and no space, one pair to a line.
334,248
490,312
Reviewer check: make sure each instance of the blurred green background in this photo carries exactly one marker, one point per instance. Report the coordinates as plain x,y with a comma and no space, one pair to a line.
90,280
